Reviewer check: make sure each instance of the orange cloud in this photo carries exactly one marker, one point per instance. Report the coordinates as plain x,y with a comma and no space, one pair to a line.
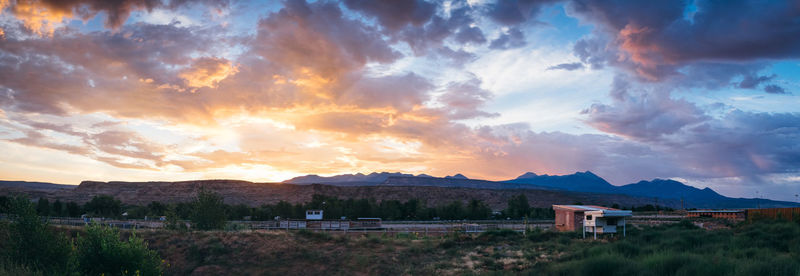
207,72
42,17
37,17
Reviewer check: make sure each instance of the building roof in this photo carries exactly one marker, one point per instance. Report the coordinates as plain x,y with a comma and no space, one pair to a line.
583,207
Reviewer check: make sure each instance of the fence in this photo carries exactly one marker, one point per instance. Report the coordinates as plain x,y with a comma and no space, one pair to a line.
773,213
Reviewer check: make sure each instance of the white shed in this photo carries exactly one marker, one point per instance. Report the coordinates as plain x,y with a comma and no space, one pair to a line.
313,214
604,221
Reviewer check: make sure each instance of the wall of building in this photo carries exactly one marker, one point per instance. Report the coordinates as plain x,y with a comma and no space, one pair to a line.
568,220
774,213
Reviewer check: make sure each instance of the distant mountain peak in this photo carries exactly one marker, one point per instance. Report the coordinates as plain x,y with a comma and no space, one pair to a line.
588,173
373,177
527,175
456,176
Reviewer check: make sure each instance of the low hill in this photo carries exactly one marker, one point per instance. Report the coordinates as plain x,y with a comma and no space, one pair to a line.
255,194
541,190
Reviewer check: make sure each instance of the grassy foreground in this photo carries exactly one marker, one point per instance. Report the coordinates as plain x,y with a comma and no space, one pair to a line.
761,248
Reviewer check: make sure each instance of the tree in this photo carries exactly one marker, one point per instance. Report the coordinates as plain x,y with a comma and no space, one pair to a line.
104,205
476,209
101,252
156,208
30,243
283,209
43,207
518,206
58,208
73,209
209,210
4,204
453,210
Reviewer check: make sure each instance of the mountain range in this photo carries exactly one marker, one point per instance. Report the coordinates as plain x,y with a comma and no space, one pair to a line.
541,190
585,182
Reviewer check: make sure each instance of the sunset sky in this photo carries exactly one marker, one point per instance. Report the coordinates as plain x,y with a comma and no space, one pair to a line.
704,92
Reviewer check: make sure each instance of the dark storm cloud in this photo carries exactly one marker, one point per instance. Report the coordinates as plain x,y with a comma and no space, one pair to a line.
470,35
751,81
514,38
515,12
394,15
567,66
774,89
319,37
433,34
656,38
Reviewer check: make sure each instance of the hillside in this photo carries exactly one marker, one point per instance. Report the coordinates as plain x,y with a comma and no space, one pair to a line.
255,194
541,190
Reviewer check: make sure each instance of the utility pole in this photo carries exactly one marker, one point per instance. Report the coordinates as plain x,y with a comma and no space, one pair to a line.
758,202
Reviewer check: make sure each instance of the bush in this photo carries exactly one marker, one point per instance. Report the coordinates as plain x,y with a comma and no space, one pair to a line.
538,235
209,211
494,235
101,252
32,244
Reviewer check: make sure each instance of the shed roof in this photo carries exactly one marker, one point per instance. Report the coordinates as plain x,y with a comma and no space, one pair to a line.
583,208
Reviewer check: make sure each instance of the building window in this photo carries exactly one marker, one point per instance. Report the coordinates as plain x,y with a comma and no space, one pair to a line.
589,217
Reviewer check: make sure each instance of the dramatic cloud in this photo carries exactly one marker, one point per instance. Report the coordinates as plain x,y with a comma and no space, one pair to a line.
774,89
462,100
508,40
567,66
657,38
643,115
318,37
42,16
394,15
267,91
207,72
514,12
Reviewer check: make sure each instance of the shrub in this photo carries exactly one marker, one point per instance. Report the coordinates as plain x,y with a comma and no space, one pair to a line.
308,234
209,211
31,244
494,235
101,252
538,235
